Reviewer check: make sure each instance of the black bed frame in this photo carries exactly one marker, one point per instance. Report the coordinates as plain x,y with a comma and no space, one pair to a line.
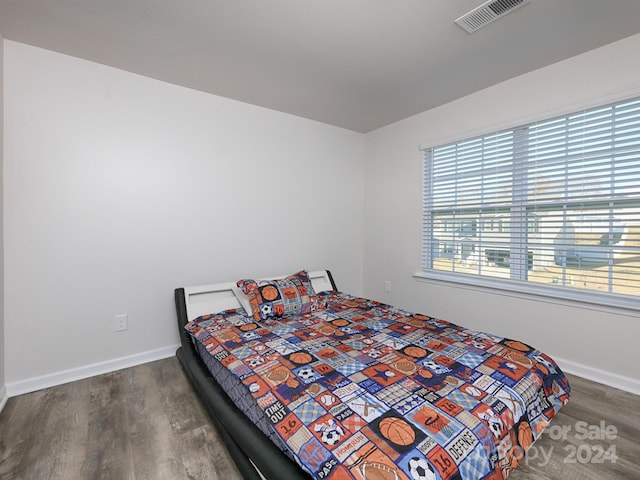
248,446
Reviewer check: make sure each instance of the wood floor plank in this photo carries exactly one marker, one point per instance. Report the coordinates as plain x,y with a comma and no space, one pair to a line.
67,421
146,423
191,427
211,461
16,445
155,448
108,448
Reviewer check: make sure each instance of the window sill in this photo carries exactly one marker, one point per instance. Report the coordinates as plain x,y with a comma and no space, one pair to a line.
608,303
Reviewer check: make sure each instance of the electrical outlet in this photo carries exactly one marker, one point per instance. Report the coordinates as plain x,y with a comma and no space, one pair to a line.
387,286
120,322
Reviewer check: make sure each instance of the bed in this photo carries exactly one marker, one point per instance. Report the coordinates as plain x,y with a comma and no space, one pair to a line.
304,381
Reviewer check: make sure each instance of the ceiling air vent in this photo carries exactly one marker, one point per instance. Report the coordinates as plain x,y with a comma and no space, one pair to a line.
487,13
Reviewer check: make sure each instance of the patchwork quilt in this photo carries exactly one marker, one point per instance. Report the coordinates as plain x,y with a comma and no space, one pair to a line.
363,390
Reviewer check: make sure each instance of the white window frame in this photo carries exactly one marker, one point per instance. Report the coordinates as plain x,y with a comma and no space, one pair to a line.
515,287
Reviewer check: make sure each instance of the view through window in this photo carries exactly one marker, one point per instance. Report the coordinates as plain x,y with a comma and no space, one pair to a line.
555,203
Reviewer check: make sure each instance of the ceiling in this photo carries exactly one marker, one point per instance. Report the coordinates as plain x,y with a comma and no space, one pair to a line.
356,64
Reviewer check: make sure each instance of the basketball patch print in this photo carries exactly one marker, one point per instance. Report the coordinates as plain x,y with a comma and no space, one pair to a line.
361,390
517,346
414,351
269,293
399,433
524,434
300,357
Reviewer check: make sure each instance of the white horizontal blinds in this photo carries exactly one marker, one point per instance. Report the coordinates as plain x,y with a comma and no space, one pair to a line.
556,202
583,192
474,173
470,182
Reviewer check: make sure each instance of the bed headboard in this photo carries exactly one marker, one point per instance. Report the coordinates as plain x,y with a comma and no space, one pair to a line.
203,299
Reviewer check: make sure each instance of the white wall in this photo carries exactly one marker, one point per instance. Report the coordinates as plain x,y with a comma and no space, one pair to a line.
119,188
3,389
589,342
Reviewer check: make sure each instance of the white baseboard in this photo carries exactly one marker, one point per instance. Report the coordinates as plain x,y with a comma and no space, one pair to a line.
614,380
58,378
3,397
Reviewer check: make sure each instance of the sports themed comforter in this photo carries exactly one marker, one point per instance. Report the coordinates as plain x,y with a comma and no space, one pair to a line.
364,390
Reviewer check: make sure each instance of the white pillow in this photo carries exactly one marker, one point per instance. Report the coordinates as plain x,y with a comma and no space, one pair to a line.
243,299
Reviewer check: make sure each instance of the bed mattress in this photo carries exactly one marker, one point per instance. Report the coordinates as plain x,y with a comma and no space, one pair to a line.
237,392
362,390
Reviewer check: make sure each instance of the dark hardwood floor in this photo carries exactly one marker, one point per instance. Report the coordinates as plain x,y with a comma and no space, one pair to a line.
138,423
145,422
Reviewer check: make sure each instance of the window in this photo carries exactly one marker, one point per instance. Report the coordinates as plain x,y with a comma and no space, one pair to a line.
554,204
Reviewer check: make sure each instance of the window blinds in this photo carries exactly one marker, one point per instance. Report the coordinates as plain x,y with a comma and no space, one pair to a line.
556,202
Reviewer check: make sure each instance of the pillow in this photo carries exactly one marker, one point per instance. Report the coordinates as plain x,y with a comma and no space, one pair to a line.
277,298
243,300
